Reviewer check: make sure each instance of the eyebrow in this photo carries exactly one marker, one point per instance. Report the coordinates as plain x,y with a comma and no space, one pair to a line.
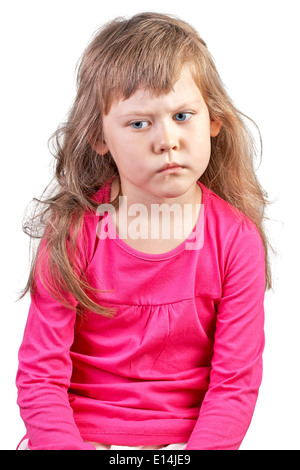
182,106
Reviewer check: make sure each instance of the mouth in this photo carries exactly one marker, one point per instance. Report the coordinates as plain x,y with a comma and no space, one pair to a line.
170,168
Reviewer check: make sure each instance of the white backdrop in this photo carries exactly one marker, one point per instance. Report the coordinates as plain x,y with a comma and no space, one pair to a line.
255,44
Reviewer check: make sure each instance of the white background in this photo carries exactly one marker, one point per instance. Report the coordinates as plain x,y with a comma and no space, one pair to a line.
255,44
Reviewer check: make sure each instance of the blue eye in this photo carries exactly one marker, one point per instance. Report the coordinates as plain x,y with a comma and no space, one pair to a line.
139,124
182,116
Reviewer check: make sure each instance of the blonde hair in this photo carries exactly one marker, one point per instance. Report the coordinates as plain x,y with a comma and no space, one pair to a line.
148,50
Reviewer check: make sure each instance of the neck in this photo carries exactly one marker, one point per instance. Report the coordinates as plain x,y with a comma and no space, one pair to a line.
192,196
151,224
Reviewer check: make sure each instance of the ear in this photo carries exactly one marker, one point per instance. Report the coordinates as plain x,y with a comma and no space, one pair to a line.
100,147
215,127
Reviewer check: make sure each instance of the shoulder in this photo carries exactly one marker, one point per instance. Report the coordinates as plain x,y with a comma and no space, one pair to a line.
228,225
103,194
222,214
219,209
236,241
88,237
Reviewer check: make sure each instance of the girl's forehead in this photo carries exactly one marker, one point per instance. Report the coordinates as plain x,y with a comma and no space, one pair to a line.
183,92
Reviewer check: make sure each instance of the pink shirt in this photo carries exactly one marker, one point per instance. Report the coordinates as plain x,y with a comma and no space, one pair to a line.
180,362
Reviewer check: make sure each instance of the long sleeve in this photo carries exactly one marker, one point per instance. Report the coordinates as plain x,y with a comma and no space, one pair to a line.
44,374
236,372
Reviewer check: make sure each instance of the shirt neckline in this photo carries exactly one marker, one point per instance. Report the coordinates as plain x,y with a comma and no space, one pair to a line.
193,242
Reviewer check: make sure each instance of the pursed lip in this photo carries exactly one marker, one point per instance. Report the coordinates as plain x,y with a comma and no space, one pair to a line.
170,166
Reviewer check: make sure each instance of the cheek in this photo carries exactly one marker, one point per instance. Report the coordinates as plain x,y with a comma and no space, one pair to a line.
201,150
128,160
201,142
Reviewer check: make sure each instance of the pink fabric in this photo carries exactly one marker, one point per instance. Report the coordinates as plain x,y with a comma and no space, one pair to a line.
180,362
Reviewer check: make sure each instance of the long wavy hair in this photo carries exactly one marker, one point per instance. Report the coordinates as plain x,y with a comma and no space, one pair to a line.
148,50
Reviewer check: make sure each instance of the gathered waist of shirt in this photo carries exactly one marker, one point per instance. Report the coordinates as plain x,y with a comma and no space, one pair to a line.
148,364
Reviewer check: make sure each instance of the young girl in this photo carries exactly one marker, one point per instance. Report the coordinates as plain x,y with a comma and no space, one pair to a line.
135,337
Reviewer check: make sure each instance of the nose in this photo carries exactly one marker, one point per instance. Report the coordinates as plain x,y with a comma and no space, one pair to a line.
165,139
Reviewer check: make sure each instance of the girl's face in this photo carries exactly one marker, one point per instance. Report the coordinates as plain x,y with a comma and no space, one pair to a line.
160,144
